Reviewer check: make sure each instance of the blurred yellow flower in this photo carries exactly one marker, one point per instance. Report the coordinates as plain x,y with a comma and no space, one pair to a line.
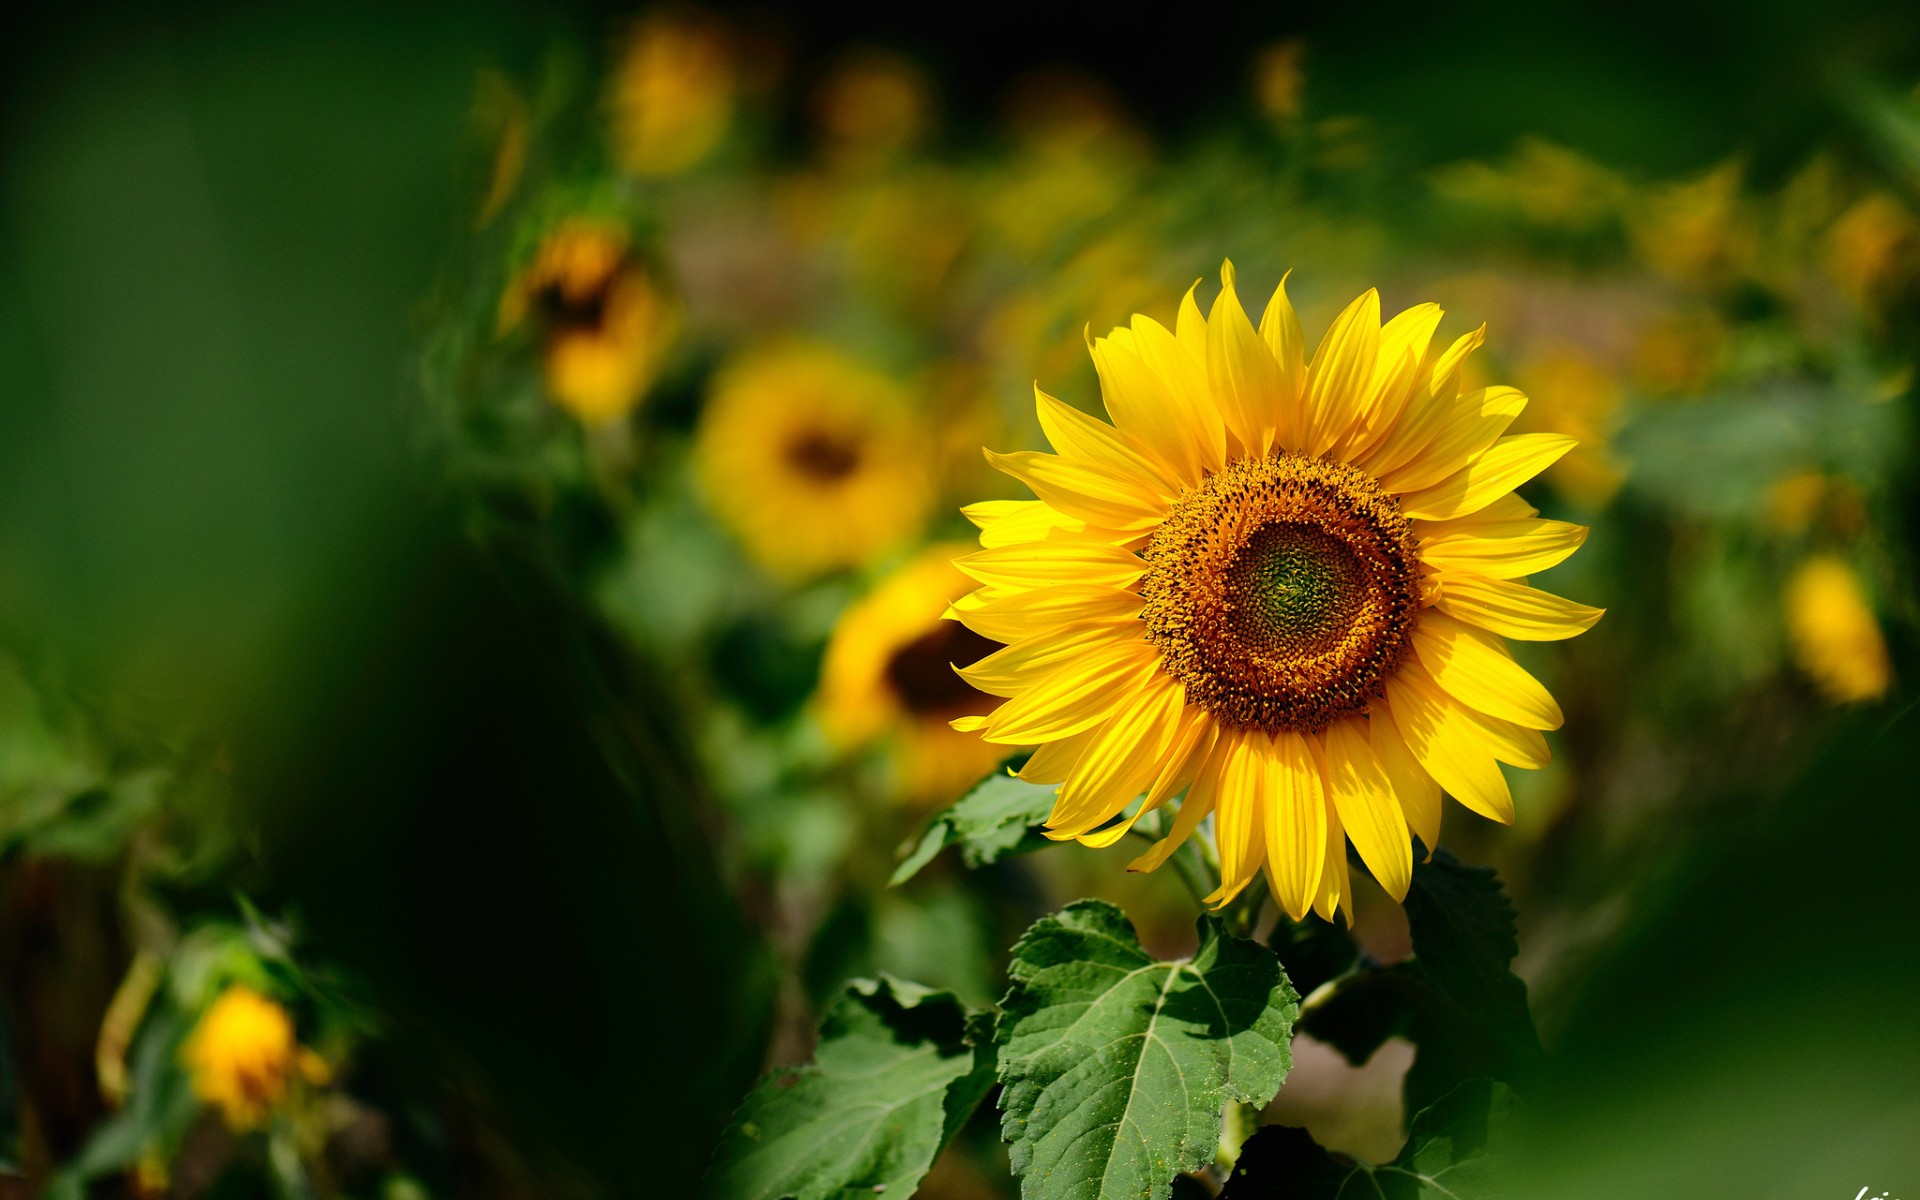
674,91
1836,639
1542,184
603,323
1700,231
889,675
812,460
243,1057
1873,249
1278,583
1677,352
1280,79
1575,394
873,106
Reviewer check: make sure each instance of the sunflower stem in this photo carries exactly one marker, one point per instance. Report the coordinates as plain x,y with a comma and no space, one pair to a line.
1192,868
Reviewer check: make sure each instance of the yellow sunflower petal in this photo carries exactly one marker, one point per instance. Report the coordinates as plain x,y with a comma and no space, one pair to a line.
1476,669
1044,563
1051,762
1184,375
1190,327
1342,368
1280,329
1240,830
1511,462
1193,810
1094,496
1473,423
1296,819
1091,442
1368,810
1120,761
1445,744
1071,701
1011,669
1427,406
1403,349
1020,615
1245,379
1336,882
1418,794
1191,743
1513,609
1004,522
1504,549
1145,415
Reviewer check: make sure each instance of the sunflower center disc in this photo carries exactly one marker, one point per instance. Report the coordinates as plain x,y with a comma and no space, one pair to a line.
1281,592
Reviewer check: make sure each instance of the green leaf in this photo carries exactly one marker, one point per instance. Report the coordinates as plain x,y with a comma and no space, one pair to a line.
1313,951
1448,1156
1117,1068
1000,816
894,1078
1458,1000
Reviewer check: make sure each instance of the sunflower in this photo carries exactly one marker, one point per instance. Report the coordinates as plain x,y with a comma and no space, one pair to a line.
812,460
243,1057
604,324
889,676
1278,585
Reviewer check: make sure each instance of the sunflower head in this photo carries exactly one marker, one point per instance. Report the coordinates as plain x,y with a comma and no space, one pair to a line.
889,676
603,323
814,461
1277,585
674,93
243,1057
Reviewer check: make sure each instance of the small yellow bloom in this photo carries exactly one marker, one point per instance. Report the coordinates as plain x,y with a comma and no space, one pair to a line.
244,1058
604,325
674,94
1836,639
812,460
889,675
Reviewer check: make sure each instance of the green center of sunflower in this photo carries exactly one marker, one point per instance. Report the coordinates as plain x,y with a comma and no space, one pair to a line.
1281,592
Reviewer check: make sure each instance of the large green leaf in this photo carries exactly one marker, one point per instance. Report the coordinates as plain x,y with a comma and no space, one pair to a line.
1000,816
1458,1000
1117,1068
894,1078
1448,1156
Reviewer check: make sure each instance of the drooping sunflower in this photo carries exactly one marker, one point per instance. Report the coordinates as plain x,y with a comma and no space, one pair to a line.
603,321
889,675
812,459
1277,584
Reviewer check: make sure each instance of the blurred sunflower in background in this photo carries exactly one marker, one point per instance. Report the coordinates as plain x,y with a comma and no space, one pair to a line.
603,323
1835,636
674,91
1280,584
814,461
889,676
244,1059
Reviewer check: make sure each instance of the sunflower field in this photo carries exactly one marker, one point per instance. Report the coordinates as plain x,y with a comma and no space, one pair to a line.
756,604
